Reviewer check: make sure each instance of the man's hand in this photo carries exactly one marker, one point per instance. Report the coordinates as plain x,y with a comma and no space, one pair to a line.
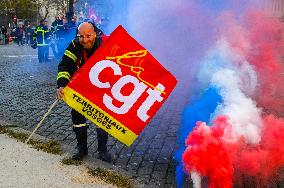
60,93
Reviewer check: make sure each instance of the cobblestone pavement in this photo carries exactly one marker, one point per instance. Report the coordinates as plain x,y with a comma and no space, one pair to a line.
28,88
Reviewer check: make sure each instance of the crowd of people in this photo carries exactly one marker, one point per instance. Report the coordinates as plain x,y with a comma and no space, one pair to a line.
55,36
20,34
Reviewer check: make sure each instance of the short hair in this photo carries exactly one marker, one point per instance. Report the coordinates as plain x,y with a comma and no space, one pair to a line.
96,29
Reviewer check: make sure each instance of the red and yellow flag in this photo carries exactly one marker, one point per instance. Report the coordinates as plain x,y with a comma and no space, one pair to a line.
121,87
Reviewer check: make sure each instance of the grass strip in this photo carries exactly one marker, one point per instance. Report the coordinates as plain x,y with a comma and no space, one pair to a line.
111,177
69,161
51,146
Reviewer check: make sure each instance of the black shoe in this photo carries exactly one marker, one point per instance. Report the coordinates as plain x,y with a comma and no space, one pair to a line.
105,156
79,156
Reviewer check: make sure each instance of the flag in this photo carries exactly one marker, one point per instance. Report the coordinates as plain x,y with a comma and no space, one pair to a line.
120,87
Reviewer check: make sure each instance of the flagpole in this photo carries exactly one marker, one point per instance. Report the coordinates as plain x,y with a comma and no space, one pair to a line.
39,124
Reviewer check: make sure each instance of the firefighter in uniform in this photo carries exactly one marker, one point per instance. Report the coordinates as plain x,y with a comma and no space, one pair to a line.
42,36
58,44
88,40
55,24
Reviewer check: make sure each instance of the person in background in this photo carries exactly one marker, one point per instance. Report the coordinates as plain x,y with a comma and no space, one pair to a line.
19,34
42,37
55,23
58,43
80,20
72,27
29,33
4,32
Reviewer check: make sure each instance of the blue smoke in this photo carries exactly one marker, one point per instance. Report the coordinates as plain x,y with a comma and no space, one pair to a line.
216,5
199,110
117,15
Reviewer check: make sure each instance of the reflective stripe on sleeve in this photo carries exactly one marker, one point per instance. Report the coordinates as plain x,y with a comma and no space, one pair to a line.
73,43
63,75
70,55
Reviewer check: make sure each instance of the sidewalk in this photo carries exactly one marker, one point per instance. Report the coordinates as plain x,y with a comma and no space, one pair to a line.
24,167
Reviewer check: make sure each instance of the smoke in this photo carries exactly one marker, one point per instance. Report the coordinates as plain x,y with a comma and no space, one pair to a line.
206,154
196,179
173,32
205,106
229,55
241,110
244,65
117,11
210,153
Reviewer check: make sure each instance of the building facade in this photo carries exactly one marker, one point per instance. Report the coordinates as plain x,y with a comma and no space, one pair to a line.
274,8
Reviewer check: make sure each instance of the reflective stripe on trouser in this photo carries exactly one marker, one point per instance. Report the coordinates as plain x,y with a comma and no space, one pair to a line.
80,125
102,136
80,129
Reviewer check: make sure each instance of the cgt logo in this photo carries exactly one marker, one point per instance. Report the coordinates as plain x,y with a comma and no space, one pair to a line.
140,86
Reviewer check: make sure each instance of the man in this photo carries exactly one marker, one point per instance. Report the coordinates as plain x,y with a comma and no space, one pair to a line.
20,33
54,24
58,43
4,32
28,33
88,40
70,27
42,37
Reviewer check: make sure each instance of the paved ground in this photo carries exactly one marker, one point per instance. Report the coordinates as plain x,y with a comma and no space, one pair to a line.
28,88
22,166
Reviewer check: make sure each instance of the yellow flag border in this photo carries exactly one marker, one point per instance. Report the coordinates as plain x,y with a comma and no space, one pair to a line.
98,116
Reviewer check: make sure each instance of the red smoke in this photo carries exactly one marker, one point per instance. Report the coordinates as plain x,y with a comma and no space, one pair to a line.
260,39
206,154
267,39
264,159
213,153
